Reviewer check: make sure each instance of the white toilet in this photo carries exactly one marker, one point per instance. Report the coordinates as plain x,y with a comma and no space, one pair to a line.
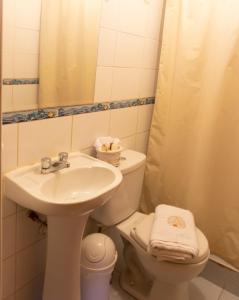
145,277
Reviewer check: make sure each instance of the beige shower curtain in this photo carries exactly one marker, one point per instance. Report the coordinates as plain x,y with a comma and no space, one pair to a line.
193,154
68,51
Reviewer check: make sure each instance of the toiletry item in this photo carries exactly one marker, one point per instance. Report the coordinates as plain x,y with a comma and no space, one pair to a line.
108,149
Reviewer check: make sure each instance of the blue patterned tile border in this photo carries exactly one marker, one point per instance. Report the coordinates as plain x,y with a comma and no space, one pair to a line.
46,113
20,81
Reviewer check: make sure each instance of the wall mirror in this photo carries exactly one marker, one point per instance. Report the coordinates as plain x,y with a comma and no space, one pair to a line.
67,37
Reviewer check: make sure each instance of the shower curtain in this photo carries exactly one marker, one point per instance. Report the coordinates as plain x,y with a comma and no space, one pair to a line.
193,154
68,51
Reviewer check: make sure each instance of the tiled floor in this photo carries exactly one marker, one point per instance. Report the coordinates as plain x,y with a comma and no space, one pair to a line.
215,283
116,293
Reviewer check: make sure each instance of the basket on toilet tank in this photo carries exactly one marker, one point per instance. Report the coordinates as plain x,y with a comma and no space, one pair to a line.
112,157
109,150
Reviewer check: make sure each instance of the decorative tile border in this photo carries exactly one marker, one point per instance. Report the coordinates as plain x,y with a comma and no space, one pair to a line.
46,113
20,81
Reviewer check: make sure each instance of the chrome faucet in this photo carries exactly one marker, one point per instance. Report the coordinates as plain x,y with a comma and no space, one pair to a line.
49,166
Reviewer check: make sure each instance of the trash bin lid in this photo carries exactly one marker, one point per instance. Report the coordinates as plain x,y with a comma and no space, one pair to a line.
98,251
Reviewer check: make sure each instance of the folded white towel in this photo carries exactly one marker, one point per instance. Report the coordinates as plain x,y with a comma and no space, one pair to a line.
173,235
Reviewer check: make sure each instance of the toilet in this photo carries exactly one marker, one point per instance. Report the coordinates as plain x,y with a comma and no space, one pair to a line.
144,276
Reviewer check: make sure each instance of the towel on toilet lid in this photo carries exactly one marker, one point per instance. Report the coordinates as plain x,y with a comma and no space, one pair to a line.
173,236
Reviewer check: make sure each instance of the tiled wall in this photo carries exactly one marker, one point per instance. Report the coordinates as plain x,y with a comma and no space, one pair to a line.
21,23
127,67
26,143
127,56
128,49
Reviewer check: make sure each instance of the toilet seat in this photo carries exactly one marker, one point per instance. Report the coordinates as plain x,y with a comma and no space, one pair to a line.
138,227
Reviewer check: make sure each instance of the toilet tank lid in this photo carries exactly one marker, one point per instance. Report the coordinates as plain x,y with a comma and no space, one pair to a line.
131,160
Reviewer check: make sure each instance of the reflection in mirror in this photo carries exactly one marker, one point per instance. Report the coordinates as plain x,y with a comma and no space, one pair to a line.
64,34
68,51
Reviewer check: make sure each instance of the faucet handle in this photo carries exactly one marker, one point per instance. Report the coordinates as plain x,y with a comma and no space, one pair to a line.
45,163
63,156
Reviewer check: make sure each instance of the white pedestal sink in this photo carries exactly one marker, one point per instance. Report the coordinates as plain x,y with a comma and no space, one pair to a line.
67,197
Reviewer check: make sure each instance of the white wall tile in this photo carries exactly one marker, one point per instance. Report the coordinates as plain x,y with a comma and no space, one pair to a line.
123,122
9,13
87,127
25,96
133,16
9,207
8,276
25,65
147,83
12,297
9,147
103,84
125,84
30,262
129,50
145,117
8,39
150,54
32,291
7,65
20,208
7,98
27,231
128,142
30,38
9,236
89,151
107,45
110,14
28,14
43,138
141,143
154,18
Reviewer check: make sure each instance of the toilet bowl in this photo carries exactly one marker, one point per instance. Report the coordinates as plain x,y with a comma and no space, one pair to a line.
169,281
144,276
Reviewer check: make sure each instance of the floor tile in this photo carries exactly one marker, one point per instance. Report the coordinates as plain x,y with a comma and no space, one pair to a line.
228,296
215,283
232,281
232,288
214,273
116,293
202,289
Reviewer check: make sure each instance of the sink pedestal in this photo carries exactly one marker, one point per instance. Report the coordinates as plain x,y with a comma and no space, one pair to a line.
62,275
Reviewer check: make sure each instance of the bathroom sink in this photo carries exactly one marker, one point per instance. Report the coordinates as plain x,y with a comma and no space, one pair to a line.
67,197
87,184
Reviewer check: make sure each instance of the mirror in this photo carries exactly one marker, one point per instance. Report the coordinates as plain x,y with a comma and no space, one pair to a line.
54,56
68,51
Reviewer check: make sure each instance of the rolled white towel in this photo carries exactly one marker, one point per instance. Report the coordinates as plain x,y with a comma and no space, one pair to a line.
106,142
173,235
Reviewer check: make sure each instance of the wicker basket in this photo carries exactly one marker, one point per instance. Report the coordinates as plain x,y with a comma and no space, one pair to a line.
112,157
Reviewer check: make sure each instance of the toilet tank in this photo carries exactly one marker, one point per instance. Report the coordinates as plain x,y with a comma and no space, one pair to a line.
125,200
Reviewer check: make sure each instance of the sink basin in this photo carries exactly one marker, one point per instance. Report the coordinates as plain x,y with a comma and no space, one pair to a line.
67,197
87,184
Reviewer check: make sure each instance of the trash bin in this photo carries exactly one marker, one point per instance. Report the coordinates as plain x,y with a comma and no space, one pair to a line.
98,258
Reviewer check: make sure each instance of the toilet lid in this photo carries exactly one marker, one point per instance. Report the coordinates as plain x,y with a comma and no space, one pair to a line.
141,234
